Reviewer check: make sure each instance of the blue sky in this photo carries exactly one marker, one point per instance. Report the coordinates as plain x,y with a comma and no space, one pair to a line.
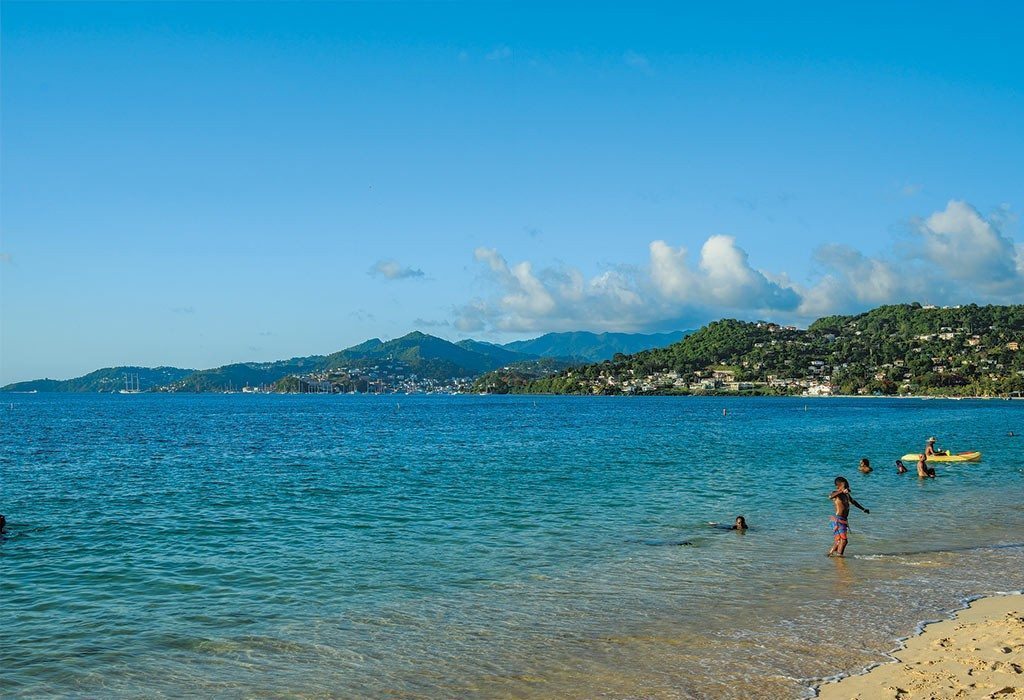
196,184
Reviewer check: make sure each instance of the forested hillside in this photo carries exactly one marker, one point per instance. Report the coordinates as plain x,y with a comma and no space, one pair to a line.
900,349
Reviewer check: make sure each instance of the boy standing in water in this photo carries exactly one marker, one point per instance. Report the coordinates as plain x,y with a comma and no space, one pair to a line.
842,499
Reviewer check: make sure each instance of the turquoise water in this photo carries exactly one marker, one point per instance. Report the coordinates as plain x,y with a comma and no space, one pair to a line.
381,546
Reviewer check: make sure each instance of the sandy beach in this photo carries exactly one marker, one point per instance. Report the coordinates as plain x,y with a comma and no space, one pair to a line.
979,653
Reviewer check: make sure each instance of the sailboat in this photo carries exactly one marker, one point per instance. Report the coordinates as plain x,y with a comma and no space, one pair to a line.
131,384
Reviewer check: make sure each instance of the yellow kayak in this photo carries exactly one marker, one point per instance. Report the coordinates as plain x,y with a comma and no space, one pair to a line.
948,457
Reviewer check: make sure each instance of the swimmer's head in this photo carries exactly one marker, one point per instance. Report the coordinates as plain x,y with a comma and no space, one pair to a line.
741,522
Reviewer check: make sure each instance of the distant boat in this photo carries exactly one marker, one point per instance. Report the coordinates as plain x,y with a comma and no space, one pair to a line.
131,384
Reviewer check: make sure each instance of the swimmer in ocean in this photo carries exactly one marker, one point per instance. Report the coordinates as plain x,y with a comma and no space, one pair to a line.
865,466
739,524
923,470
901,468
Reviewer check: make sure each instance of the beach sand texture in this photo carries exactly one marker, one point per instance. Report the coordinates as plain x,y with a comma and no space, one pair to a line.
977,654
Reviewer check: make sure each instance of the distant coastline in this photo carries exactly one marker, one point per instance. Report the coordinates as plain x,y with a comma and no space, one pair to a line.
903,350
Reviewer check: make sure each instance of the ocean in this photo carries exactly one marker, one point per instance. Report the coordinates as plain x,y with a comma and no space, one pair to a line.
483,546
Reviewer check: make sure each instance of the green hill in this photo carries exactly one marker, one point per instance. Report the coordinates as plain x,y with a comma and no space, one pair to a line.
909,349
110,379
418,353
239,375
425,355
593,347
515,377
498,353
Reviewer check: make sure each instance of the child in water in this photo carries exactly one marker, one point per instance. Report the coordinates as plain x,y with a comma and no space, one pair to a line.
842,499
923,470
900,467
865,466
739,524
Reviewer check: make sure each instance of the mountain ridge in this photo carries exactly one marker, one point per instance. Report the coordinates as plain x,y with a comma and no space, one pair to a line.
424,354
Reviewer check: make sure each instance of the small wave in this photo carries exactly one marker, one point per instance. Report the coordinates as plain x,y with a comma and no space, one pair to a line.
949,550
901,642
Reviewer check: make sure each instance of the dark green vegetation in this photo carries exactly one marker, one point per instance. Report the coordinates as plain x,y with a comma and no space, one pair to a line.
900,349
107,380
370,363
417,353
516,377
593,347
235,377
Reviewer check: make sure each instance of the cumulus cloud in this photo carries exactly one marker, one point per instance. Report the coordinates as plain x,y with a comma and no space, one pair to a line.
854,281
957,256
390,269
548,299
967,247
668,292
723,278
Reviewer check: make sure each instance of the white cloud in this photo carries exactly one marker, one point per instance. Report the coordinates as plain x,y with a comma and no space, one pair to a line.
730,281
959,257
965,246
723,278
666,293
669,271
390,269
854,281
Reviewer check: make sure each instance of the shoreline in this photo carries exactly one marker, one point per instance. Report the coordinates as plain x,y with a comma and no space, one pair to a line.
724,395
974,651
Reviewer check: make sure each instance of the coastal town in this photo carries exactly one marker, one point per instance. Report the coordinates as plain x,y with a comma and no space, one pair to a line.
903,350
389,377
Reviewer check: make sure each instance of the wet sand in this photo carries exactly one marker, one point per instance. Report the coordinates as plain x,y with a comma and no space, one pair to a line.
977,654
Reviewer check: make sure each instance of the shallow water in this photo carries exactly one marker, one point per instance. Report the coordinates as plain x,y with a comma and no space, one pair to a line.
382,546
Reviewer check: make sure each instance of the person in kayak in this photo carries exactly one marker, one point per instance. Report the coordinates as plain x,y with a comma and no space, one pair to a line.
931,450
923,470
901,468
865,466
842,499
